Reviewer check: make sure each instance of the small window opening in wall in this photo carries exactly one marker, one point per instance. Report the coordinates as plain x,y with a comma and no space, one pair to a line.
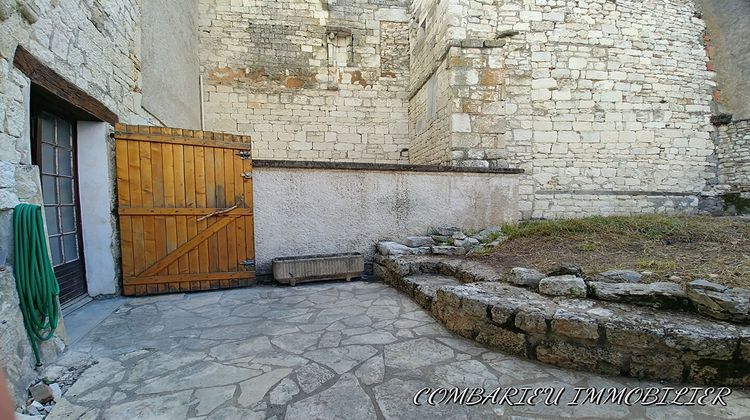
340,49
340,54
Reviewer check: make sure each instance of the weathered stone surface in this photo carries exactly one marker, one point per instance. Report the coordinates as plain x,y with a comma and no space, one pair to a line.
599,336
424,355
639,333
312,376
534,319
467,242
705,340
414,354
41,392
204,374
657,295
577,356
344,400
447,231
423,288
619,276
563,285
448,250
372,371
254,389
565,269
574,325
526,276
210,398
342,359
172,406
394,248
418,241
485,234
504,340
717,301
441,239
283,392
655,365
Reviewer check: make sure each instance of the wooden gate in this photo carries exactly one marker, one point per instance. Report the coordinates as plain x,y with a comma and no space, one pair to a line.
185,203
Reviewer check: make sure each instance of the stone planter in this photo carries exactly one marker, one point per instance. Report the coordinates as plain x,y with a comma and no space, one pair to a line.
293,270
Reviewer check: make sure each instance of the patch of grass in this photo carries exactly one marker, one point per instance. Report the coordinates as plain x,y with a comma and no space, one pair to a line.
689,247
669,228
470,232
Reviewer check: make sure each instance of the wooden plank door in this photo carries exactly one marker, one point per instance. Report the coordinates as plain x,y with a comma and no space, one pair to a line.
185,203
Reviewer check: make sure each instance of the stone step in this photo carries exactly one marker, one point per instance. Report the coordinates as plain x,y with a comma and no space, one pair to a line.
585,334
423,287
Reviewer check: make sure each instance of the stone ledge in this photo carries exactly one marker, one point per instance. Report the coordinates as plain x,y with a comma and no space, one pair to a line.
584,334
363,166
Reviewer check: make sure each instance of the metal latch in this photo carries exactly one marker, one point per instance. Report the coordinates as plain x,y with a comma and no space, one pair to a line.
247,175
244,154
248,263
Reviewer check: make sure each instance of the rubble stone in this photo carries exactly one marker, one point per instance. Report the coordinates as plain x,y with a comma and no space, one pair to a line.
526,276
41,392
565,269
657,295
720,302
563,285
448,250
418,241
619,276
595,335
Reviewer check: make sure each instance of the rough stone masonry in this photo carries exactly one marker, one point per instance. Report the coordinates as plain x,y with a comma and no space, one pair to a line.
95,45
606,105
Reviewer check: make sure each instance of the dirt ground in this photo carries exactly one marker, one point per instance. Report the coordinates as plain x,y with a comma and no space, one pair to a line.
677,248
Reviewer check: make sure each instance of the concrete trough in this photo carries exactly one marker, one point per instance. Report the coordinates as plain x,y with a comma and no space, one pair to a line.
293,270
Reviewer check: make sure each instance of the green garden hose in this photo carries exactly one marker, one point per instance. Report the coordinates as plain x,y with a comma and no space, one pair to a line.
35,279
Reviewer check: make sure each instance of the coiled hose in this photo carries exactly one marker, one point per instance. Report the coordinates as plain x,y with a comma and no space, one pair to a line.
35,280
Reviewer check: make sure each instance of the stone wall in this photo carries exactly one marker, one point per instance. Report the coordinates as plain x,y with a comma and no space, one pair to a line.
728,29
308,80
429,115
96,46
626,329
734,156
170,67
335,208
593,100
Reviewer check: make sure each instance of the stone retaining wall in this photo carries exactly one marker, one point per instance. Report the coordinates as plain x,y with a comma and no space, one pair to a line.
327,208
602,337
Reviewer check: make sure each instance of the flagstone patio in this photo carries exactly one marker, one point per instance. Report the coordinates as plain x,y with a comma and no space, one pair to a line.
357,350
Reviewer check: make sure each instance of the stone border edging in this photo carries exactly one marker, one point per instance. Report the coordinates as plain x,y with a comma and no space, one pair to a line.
583,334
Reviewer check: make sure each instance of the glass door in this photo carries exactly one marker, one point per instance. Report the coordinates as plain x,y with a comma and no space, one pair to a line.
56,157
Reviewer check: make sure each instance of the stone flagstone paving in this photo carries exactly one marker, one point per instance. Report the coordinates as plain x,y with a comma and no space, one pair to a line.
357,350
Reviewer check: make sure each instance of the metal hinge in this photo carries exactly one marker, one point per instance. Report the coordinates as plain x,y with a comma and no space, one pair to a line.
248,263
244,154
247,175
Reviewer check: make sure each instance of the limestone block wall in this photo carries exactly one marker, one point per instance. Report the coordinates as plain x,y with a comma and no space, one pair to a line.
604,101
734,156
309,80
94,45
429,114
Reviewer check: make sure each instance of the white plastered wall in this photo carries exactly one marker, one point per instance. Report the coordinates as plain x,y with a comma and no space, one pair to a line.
95,194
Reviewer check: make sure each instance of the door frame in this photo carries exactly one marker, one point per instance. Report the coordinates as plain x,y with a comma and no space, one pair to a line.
36,155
